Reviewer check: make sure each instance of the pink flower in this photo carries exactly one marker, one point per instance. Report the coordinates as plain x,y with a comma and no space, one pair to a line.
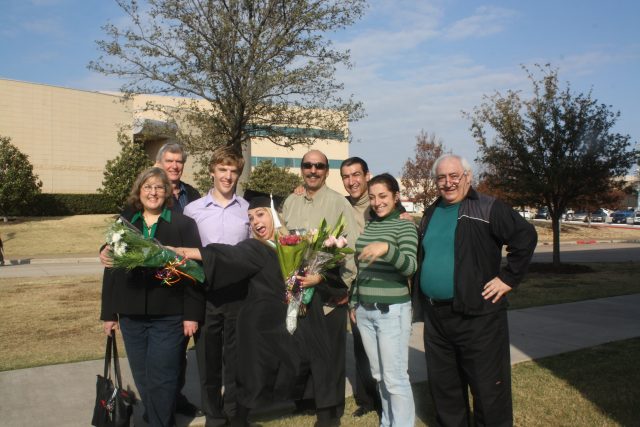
341,242
330,242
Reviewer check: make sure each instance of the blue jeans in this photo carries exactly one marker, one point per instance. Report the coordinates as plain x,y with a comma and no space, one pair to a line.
154,348
386,340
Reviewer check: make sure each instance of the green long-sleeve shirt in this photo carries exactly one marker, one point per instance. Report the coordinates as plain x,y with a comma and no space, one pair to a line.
385,280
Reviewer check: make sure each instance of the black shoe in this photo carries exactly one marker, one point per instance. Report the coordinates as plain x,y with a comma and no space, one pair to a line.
188,409
216,422
304,407
362,411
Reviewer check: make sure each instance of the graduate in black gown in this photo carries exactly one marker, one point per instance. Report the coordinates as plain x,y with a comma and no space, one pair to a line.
274,364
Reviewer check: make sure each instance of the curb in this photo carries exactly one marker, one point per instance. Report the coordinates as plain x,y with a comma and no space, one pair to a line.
591,242
23,261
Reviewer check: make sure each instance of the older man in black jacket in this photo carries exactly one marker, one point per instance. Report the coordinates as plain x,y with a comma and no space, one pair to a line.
459,291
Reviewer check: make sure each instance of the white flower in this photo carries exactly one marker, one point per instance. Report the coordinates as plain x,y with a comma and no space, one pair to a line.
119,248
116,237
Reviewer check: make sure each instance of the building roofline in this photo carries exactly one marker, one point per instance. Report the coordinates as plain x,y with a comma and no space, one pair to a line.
106,93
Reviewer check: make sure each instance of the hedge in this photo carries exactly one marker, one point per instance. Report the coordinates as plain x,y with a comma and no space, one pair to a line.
70,204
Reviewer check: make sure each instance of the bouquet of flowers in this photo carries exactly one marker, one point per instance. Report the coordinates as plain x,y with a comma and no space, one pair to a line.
309,253
131,250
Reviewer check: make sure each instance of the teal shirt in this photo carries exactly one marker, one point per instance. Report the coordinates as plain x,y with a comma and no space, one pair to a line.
436,277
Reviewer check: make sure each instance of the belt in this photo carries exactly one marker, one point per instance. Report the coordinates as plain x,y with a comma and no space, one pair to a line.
439,303
384,308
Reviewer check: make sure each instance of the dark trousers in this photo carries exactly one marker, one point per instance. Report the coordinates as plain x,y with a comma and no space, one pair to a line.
154,349
216,355
365,392
181,399
468,351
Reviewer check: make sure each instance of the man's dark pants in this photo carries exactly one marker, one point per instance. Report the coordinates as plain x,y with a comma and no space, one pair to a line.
216,353
366,392
461,351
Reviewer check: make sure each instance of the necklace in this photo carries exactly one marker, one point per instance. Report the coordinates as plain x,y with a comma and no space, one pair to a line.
150,220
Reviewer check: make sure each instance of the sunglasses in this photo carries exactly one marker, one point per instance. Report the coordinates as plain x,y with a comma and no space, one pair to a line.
309,165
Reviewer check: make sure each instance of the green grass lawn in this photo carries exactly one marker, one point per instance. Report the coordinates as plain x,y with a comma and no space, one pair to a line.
607,279
66,327
592,387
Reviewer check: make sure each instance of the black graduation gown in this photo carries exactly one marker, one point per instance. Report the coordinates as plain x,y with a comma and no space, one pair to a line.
321,342
267,357
274,364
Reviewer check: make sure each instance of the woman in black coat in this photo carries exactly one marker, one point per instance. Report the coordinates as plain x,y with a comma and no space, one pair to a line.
154,318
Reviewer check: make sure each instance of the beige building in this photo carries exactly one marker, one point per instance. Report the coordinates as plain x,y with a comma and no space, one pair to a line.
70,134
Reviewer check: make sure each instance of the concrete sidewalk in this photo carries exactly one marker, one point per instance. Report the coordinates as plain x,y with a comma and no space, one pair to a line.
62,395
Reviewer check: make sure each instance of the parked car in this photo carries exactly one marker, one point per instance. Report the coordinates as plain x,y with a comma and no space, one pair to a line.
525,213
580,216
620,217
636,217
543,213
568,215
599,216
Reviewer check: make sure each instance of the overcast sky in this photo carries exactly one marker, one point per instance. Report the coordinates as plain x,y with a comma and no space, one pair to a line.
417,64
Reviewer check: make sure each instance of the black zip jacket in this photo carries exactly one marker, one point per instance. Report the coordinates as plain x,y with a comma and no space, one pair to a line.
485,225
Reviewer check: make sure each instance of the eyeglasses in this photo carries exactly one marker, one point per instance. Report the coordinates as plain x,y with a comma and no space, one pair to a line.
148,188
452,178
309,165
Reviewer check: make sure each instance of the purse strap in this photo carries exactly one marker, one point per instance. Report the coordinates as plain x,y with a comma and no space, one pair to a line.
107,357
111,353
116,362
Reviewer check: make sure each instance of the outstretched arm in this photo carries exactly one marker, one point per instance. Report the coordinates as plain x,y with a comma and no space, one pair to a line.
190,253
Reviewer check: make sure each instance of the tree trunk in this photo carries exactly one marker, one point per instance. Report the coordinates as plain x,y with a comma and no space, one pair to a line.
555,226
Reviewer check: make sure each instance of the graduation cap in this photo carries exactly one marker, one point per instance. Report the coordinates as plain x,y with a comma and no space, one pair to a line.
258,199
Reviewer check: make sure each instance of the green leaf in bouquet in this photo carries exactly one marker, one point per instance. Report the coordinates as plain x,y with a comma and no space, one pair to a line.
338,228
290,257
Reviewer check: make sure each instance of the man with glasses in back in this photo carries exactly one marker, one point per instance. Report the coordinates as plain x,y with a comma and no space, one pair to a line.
459,291
307,212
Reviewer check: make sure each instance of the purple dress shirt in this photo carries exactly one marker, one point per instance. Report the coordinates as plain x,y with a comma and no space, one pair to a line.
217,224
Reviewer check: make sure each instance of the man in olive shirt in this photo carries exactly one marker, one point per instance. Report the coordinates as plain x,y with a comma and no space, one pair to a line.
307,212
320,202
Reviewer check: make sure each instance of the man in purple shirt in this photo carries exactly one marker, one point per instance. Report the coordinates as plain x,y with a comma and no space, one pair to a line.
222,217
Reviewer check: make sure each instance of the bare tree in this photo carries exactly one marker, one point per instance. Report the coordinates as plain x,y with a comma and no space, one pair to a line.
251,67
418,182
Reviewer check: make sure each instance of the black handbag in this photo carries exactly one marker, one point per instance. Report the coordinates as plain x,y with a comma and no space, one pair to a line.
114,405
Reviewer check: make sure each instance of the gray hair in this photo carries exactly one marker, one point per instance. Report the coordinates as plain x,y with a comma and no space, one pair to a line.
466,166
171,147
